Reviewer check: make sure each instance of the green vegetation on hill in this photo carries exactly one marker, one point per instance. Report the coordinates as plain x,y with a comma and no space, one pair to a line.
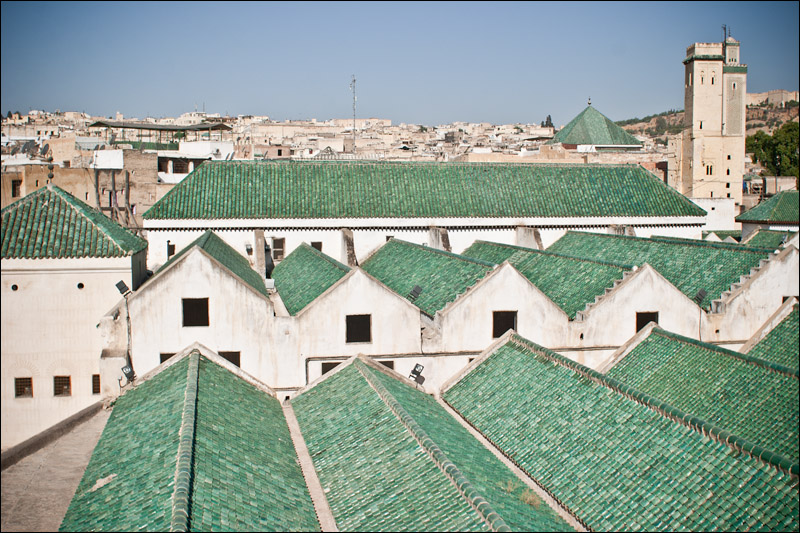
776,152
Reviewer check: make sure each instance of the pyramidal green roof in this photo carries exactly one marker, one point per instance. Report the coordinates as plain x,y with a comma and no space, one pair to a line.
570,282
616,458
52,224
304,275
443,276
751,398
390,458
227,256
592,127
335,189
764,238
783,208
194,448
782,344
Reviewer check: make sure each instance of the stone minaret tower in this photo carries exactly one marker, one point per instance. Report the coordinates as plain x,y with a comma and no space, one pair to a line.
712,145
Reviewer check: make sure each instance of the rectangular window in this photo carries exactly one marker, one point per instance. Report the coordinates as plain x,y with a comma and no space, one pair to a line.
62,386
95,383
278,246
503,321
195,312
642,319
358,328
317,246
280,152
170,249
327,367
165,356
387,364
23,387
232,357
16,185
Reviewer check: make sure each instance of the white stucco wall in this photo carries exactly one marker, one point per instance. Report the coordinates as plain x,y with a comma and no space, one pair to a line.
49,329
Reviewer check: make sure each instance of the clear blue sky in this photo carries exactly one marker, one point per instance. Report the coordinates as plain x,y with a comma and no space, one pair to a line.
422,63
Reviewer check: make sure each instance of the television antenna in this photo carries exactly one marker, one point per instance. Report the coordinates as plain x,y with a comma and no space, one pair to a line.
353,88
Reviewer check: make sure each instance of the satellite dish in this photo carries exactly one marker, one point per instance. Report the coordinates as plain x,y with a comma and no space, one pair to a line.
45,148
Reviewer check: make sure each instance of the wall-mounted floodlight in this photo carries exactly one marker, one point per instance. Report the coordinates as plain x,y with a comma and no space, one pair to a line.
249,248
122,288
130,375
416,374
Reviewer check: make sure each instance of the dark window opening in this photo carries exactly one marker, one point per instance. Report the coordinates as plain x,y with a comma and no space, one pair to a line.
95,383
232,357
165,356
471,359
170,249
16,185
62,386
23,387
280,152
195,312
387,364
642,319
503,321
359,328
786,298
278,245
327,367
389,238
317,246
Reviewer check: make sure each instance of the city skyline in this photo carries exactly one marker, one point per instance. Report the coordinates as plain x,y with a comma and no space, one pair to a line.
418,63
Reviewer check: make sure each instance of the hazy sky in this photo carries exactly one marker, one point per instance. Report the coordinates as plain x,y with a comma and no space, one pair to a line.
423,63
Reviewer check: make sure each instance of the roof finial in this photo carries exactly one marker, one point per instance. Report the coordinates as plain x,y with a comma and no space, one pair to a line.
590,100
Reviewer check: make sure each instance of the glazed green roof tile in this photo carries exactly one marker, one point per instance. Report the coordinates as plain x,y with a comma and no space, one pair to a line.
592,127
571,283
52,224
443,276
227,256
375,475
782,208
610,458
689,265
304,275
245,474
738,393
519,507
763,238
288,190
782,344
723,234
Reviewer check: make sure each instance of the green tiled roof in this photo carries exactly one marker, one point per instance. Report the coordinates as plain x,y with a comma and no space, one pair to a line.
593,127
782,344
305,274
227,256
383,471
51,223
782,208
244,470
723,234
689,265
611,457
738,393
443,276
571,283
763,238
330,189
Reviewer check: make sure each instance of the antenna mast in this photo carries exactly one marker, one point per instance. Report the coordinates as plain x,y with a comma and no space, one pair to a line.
353,88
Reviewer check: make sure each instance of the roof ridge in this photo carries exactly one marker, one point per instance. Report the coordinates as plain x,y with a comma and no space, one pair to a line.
468,491
182,493
773,367
685,242
664,409
446,253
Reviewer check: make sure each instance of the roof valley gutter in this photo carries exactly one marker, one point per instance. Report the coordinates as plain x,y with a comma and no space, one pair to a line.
474,498
181,496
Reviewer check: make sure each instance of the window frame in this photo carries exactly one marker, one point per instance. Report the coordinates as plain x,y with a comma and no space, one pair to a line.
62,386
496,315
350,329
23,387
196,314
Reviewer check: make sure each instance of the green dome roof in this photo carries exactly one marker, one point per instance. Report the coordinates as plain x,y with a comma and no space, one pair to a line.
592,127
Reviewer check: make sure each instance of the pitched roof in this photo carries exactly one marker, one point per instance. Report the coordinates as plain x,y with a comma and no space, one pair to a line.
51,223
443,276
689,265
764,238
593,127
391,458
227,256
304,275
337,189
783,208
782,344
193,416
571,283
751,398
610,456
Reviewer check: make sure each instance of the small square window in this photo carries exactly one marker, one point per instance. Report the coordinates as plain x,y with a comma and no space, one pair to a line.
317,246
16,186
327,367
387,364
358,328
95,383
23,387
278,247
503,321
232,357
642,319
165,356
62,386
195,312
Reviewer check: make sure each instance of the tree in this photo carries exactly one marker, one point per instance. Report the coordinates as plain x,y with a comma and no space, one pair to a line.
778,153
548,122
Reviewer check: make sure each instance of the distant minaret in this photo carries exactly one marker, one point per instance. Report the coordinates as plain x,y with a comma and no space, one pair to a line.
712,143
353,88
